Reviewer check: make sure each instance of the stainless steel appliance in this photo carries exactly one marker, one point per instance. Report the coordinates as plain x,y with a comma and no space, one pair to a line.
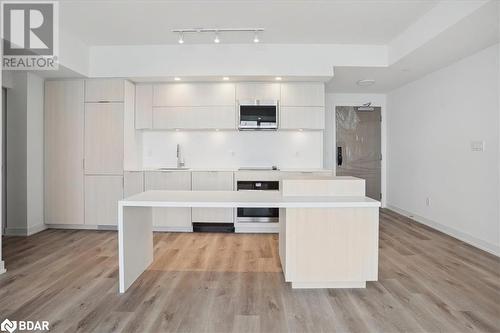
258,114
261,215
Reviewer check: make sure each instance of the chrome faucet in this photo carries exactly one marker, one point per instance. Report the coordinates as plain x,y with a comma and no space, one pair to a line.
180,160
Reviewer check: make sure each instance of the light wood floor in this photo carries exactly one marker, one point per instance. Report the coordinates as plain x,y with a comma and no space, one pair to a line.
428,282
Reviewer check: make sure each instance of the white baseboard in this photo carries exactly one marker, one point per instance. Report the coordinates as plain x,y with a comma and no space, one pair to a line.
81,226
25,231
2,267
36,229
173,229
464,237
113,227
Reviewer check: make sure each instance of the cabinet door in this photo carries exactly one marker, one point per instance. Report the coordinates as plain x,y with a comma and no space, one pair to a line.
194,94
194,117
104,90
104,138
143,106
170,219
263,91
63,130
305,117
102,194
212,181
133,183
302,94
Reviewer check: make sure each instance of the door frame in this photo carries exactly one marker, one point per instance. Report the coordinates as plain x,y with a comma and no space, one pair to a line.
383,135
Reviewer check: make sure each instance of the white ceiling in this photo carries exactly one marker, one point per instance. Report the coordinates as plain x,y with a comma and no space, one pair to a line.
470,35
295,22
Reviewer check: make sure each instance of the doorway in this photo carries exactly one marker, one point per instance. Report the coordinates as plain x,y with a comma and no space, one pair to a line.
358,145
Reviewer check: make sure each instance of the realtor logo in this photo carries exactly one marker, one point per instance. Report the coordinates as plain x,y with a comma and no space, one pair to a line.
8,326
24,325
30,35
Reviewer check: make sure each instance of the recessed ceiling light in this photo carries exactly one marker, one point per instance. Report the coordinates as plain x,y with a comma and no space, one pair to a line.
225,78
177,78
278,78
366,82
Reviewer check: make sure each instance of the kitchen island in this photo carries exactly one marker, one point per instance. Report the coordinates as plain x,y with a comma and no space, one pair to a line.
328,229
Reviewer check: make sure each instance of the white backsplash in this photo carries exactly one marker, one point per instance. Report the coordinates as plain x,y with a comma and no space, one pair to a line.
233,149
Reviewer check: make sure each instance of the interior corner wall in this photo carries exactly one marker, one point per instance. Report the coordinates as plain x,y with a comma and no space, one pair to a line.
433,174
24,163
16,164
2,264
34,153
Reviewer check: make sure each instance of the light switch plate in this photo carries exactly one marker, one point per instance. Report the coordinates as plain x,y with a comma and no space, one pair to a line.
477,146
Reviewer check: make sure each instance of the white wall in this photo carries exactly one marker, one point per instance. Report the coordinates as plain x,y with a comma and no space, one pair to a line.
431,123
333,100
2,264
25,154
233,149
34,153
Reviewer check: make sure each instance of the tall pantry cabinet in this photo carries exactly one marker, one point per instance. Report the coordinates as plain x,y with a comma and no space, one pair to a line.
86,125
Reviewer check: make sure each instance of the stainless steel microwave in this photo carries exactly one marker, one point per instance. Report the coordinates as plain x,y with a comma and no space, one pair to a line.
258,114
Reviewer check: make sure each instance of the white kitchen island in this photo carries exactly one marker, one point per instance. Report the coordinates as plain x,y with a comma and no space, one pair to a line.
328,229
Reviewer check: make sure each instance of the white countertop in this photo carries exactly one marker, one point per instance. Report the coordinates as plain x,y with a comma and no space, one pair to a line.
231,199
237,170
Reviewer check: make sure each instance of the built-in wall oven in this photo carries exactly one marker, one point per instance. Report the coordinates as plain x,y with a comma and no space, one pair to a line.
259,215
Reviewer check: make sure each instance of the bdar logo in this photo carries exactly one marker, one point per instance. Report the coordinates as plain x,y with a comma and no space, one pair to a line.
8,326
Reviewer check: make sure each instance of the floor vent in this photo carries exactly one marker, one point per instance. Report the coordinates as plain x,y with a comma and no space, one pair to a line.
213,227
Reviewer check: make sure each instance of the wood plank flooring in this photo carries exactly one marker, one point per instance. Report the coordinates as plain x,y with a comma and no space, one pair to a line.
428,282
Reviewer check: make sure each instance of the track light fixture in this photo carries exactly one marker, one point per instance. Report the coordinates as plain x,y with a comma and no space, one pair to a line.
217,32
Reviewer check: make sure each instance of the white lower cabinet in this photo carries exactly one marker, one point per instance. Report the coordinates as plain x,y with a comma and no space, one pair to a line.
102,194
133,183
170,219
212,181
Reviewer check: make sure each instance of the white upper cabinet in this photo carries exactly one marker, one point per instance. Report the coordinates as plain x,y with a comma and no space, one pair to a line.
143,106
302,94
194,117
194,94
104,90
104,138
303,117
253,91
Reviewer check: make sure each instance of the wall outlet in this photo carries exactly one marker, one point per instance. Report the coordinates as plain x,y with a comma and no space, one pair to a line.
427,201
477,146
